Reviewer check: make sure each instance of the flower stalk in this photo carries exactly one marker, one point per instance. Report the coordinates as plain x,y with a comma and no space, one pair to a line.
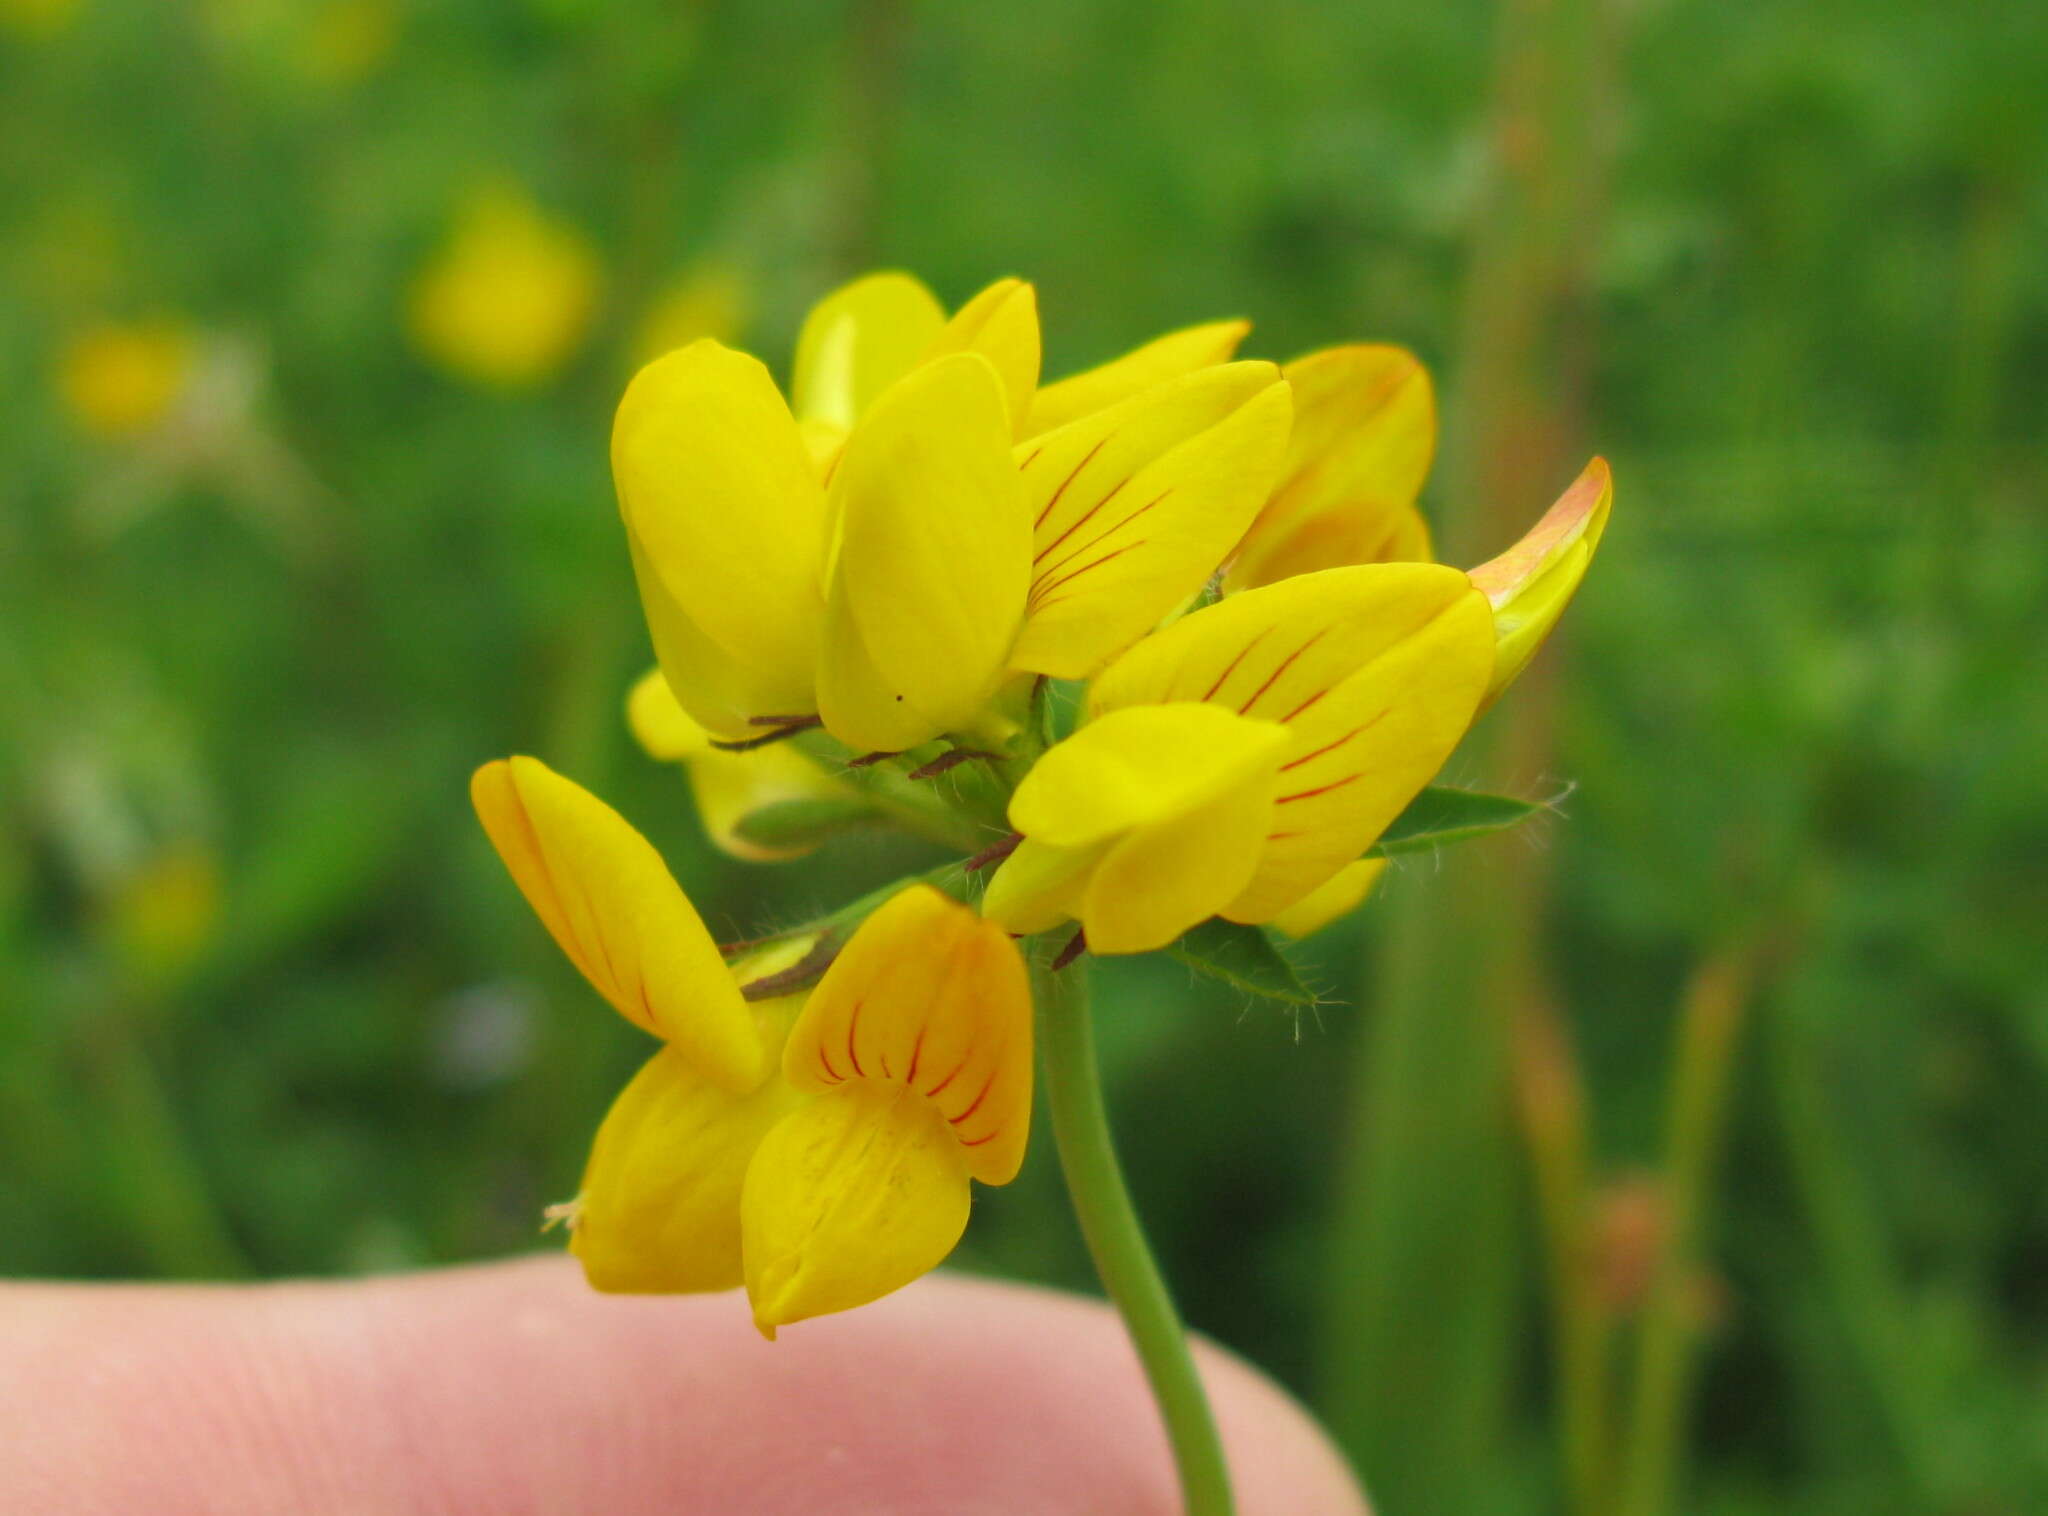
1116,1240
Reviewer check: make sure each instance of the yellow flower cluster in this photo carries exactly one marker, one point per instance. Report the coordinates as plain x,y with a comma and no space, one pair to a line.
888,569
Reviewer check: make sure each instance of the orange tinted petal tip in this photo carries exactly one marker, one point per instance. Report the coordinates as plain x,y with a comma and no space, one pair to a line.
1580,513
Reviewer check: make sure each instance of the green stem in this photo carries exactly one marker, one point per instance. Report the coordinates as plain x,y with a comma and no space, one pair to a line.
1711,1019
175,1217
1080,1127
1550,1093
1858,1265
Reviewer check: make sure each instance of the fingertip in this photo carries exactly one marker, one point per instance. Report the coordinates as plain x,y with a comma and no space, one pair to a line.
515,1388
949,1395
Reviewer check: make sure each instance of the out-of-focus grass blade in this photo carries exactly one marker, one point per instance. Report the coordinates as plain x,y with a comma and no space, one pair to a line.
1419,1335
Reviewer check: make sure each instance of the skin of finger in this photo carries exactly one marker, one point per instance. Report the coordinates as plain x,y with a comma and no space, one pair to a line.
513,1389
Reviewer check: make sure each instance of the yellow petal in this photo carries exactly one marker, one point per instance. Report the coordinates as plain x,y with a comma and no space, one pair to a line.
928,582
1001,324
855,1194
859,340
1376,671
1364,434
1342,893
661,726
1142,824
928,996
1530,584
1175,874
1039,885
725,519
1163,358
823,442
1134,507
659,1211
723,692
1133,767
607,898
729,787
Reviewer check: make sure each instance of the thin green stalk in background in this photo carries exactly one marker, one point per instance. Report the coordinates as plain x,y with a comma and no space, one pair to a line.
1710,1021
151,1166
1421,1316
1552,1100
1116,1241
1860,1273
1418,1319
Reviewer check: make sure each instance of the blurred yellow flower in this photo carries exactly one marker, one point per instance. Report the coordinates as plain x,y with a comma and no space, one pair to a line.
37,18
817,1149
345,40
712,300
120,379
161,916
510,295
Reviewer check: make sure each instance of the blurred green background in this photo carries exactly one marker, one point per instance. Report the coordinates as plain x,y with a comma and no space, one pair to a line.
1688,1152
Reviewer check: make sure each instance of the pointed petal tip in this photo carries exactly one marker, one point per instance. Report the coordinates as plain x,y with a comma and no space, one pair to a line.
1529,586
609,901
1579,514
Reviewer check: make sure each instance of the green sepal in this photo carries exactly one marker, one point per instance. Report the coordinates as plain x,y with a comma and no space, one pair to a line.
835,928
1244,957
1441,814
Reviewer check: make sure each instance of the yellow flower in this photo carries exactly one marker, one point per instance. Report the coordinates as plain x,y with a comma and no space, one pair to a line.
729,787
1364,434
817,1149
925,524
1235,762
120,380
915,1052
509,296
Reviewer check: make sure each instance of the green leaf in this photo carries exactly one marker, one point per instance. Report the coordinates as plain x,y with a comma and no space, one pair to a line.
799,823
1243,957
1441,814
